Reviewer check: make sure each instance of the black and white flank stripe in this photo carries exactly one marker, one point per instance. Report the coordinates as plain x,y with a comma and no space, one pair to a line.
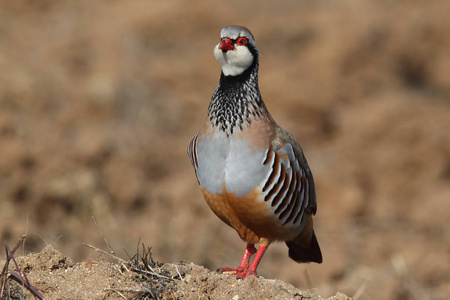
289,189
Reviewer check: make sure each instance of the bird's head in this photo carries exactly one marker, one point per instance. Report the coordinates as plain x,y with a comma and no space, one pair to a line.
236,51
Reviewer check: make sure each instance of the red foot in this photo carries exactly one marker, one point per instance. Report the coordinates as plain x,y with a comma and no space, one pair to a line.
245,270
245,274
239,272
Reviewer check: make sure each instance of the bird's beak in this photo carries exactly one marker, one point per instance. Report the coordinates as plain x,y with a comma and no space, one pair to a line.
226,45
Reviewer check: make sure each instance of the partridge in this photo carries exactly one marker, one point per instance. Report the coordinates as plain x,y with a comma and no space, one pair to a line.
252,173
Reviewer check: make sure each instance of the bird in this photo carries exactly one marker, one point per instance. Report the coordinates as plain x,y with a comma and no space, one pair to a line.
252,173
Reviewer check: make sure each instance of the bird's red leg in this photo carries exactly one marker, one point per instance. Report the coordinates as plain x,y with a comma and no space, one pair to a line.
249,251
245,262
252,269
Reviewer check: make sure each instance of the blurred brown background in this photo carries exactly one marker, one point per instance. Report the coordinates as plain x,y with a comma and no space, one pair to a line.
98,100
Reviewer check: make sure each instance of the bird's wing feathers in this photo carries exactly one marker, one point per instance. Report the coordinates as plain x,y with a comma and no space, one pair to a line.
290,186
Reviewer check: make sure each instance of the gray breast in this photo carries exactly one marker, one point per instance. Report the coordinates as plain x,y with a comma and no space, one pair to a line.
231,162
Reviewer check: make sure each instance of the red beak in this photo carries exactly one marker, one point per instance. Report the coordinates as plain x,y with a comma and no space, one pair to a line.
226,45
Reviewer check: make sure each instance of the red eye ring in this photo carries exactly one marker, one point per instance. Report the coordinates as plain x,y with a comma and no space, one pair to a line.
242,41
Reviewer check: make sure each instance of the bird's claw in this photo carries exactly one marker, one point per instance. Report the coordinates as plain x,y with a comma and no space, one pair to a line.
245,274
239,272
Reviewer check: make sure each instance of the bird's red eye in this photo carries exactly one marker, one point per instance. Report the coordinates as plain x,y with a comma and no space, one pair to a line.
242,41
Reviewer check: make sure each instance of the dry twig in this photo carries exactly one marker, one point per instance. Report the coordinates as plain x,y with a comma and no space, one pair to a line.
16,275
104,237
112,255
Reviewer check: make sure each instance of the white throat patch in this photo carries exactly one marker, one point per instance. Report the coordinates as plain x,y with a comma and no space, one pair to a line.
234,62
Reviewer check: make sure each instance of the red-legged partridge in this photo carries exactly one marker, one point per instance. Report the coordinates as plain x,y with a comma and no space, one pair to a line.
252,172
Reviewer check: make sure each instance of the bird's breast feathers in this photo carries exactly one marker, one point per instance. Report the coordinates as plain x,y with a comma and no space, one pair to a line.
229,162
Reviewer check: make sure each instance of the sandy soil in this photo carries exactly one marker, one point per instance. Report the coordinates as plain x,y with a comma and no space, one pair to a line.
98,100
55,276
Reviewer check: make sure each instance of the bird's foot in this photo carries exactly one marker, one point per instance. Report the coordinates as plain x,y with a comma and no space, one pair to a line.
245,274
231,271
239,272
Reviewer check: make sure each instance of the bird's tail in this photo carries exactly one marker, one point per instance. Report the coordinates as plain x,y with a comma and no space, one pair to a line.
305,251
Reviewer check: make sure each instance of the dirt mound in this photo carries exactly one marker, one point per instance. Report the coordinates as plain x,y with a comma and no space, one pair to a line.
57,277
